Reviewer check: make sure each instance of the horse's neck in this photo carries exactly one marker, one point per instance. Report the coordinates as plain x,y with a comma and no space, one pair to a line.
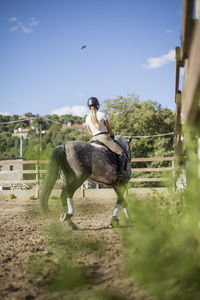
122,143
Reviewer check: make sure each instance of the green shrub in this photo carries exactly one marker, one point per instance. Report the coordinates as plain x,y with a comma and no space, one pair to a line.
12,196
163,247
53,197
32,197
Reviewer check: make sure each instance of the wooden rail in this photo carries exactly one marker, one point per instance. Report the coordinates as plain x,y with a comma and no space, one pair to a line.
15,181
24,162
146,159
148,170
23,172
152,169
149,179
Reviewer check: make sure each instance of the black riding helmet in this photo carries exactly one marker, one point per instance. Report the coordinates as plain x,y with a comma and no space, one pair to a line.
92,101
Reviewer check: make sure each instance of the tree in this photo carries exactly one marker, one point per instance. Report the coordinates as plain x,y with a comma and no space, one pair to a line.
9,146
129,116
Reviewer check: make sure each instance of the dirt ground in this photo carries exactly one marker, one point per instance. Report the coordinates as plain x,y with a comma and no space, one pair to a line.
40,258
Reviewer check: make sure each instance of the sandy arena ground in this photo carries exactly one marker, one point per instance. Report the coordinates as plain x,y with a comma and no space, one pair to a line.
32,248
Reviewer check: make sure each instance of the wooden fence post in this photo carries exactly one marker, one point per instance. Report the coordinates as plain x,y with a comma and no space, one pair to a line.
173,176
37,183
83,190
198,157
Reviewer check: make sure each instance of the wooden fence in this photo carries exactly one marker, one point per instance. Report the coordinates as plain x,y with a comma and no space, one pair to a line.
147,170
37,171
187,56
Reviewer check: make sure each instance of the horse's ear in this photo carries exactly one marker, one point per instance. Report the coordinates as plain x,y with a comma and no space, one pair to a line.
129,141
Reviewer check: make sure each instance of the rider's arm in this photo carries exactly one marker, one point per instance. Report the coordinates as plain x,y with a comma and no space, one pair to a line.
106,122
89,131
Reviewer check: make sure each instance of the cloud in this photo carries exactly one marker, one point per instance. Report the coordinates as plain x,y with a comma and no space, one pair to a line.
5,113
19,26
26,29
80,94
157,62
13,19
80,111
168,31
33,22
14,28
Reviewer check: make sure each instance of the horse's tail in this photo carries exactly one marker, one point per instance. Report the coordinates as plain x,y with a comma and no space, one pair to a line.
51,177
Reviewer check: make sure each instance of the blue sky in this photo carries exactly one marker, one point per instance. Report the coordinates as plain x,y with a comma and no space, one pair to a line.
130,48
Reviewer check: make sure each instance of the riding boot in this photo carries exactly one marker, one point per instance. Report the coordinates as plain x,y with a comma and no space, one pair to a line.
122,162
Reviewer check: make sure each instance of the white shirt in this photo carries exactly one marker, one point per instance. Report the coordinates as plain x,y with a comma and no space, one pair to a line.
101,118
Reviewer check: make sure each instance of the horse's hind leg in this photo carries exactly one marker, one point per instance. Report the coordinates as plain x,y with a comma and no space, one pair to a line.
68,210
67,201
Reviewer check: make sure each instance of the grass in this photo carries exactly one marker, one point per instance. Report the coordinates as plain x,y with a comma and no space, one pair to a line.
57,267
163,247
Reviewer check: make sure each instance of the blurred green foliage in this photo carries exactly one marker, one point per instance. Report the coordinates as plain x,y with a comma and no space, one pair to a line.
12,196
32,197
61,267
163,246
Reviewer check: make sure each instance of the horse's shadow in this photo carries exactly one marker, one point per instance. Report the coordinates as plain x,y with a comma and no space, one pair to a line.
95,229
106,228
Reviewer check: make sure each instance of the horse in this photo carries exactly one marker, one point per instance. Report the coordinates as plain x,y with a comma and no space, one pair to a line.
79,161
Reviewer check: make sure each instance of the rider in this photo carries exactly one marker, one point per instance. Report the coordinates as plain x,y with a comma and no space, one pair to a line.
99,127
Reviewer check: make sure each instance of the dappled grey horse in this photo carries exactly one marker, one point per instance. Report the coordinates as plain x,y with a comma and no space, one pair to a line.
81,161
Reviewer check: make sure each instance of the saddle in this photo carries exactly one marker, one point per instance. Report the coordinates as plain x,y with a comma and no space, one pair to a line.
110,156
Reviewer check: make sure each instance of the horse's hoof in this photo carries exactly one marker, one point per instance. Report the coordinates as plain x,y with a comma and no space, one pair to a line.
114,223
71,225
65,217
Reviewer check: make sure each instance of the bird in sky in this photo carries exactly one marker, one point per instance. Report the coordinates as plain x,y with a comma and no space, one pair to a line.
84,46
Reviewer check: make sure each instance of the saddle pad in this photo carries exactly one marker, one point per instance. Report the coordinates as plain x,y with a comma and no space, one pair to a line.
110,156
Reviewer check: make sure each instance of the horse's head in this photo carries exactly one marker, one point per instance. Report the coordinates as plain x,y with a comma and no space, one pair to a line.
124,144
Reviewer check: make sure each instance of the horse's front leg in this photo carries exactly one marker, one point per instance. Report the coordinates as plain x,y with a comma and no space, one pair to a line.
121,202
